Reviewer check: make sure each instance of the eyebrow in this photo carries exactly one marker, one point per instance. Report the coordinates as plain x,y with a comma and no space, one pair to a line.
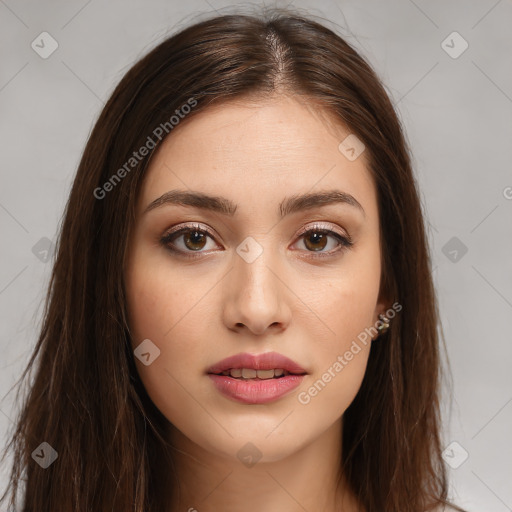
289,205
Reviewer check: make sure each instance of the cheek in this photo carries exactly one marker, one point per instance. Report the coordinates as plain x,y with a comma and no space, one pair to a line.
160,298
168,308
346,308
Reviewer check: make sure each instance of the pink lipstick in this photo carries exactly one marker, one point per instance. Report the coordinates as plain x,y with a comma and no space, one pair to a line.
256,379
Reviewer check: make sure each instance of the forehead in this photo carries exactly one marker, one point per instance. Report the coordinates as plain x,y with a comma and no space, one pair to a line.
256,153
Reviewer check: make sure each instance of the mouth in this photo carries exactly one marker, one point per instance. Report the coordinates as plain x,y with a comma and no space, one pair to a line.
256,379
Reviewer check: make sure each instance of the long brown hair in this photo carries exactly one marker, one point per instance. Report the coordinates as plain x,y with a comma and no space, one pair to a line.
86,399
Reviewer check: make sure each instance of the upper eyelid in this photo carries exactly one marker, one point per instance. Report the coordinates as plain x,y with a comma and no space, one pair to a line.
185,227
322,225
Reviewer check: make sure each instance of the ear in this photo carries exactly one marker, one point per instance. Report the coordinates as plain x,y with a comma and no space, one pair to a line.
383,304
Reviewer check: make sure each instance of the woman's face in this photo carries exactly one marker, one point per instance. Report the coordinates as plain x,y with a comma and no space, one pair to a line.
250,281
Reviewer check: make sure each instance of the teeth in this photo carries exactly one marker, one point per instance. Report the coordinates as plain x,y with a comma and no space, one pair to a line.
251,373
265,374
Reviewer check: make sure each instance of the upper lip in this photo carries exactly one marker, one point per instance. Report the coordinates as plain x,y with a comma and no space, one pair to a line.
265,361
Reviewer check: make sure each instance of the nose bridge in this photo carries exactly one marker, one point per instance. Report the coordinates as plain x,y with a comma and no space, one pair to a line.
256,265
257,300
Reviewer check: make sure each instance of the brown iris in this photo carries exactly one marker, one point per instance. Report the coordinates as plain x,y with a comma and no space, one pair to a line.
194,240
316,237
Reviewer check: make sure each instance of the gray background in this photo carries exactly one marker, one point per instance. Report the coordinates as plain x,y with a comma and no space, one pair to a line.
456,112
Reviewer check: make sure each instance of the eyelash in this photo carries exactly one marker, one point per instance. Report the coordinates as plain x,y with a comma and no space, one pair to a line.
345,242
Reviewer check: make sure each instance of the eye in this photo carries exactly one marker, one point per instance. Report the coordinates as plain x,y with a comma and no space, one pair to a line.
194,239
316,238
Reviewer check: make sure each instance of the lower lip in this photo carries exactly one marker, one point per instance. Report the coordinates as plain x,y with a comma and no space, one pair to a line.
255,391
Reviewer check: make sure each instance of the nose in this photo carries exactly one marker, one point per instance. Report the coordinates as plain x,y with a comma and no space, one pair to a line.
256,296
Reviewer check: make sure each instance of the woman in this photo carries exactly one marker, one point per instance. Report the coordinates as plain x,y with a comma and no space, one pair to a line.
241,313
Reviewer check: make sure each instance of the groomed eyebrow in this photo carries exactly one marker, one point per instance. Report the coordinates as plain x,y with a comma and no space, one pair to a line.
222,205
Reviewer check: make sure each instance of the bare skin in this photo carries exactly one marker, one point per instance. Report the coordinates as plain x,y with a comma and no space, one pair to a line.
200,310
